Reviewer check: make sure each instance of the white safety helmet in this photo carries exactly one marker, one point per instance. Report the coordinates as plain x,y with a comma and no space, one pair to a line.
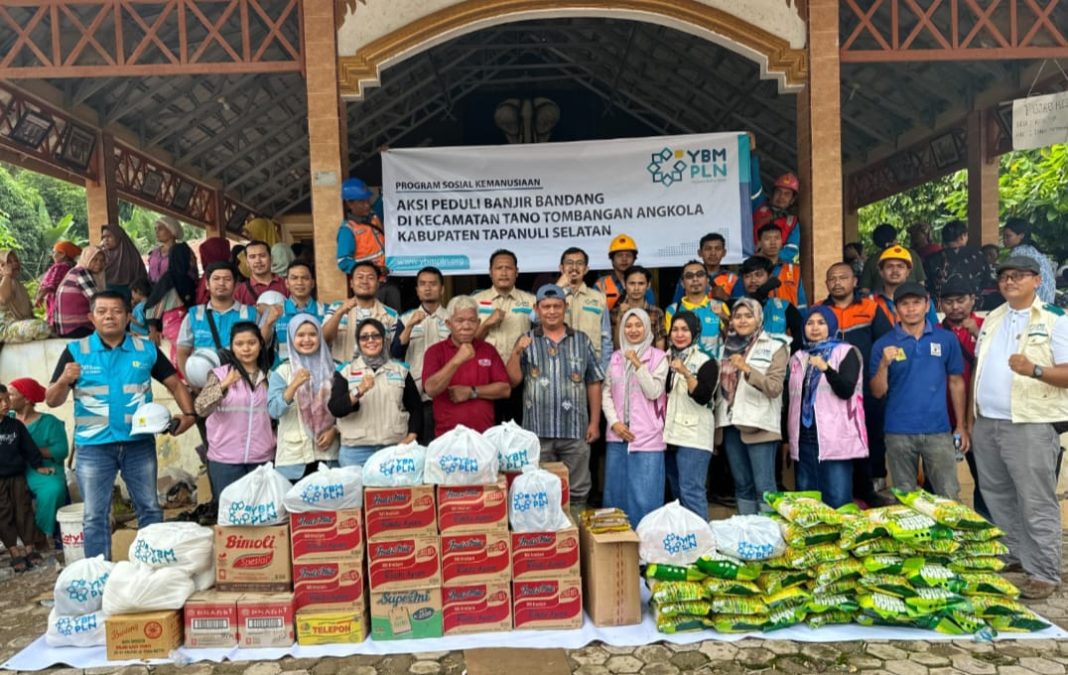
271,298
150,418
197,366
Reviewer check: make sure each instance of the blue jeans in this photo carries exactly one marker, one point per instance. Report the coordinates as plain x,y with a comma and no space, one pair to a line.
687,472
221,475
633,481
356,455
753,470
97,467
833,479
294,472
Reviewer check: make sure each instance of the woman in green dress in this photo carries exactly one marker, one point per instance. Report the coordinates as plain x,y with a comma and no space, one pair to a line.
50,435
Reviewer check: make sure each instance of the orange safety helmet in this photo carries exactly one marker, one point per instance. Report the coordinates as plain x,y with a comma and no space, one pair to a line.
622,242
788,181
896,252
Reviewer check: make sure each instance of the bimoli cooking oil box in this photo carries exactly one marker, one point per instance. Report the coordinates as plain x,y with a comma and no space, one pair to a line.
253,558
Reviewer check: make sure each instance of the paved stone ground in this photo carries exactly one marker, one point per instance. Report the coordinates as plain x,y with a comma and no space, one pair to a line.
22,620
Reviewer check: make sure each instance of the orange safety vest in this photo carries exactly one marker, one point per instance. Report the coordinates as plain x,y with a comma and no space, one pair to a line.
370,241
725,281
790,276
612,292
880,300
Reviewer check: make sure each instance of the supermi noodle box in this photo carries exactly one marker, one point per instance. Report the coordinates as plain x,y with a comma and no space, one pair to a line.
403,563
547,603
409,614
399,511
326,535
253,558
476,608
472,508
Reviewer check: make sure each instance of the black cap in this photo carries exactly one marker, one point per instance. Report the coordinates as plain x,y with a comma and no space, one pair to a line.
956,285
1020,262
909,289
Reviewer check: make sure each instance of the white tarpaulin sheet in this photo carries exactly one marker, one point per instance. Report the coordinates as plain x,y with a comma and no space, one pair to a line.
452,207
38,655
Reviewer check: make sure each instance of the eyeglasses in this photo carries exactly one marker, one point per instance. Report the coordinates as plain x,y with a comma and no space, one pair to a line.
574,263
1014,277
700,274
370,337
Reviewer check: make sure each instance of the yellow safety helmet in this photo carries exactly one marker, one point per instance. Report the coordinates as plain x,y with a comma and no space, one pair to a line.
622,242
896,252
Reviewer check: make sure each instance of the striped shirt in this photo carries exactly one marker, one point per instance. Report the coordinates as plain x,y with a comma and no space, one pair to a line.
555,375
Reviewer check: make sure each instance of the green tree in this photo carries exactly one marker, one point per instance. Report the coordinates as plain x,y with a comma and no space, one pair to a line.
27,219
61,198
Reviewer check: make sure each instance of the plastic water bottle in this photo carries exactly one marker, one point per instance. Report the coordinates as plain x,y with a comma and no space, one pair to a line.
956,447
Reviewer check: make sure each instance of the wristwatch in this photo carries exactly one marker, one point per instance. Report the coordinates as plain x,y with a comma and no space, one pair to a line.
1037,373
474,393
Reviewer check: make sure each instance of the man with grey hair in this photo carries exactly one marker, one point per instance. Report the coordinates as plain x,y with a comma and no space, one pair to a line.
462,374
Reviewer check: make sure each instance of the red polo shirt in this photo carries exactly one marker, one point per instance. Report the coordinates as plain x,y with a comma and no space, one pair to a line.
967,348
485,368
248,292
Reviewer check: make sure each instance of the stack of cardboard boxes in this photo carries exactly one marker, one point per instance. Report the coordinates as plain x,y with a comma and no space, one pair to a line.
328,576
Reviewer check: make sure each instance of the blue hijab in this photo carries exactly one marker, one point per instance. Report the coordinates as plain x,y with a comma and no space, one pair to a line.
823,349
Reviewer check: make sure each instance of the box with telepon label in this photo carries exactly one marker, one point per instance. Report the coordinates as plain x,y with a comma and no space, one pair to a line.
473,508
559,469
326,535
476,608
332,624
545,555
547,603
319,582
405,562
470,557
399,511
252,558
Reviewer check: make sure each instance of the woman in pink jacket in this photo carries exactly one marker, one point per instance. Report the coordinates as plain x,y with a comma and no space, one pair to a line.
634,401
826,420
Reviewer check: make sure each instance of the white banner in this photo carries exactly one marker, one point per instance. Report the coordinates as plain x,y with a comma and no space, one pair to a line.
1038,121
452,207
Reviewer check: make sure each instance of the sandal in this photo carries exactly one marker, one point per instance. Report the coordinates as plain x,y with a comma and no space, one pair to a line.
34,559
19,564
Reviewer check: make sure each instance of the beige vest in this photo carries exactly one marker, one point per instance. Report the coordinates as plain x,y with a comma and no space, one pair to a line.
295,442
381,419
586,309
1031,400
430,331
518,308
344,346
689,424
751,407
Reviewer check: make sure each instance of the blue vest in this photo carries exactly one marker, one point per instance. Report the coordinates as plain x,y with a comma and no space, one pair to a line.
775,316
113,384
281,326
708,314
224,323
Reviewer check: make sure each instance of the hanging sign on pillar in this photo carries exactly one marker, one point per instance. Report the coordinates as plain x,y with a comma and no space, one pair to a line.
452,207
1040,121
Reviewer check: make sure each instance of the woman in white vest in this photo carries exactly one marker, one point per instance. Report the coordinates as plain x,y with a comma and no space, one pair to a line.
374,399
691,422
749,405
299,390
826,418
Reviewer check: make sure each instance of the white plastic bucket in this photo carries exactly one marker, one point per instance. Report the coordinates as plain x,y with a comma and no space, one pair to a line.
72,531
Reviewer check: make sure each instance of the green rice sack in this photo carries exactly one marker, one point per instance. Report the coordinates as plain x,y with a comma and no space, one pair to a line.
784,617
922,574
930,600
850,509
773,581
803,508
934,546
735,604
665,592
883,563
869,620
856,531
829,573
976,565
688,608
715,586
888,584
681,624
989,606
738,623
810,556
905,524
881,545
664,572
985,583
832,618
797,536
1020,623
722,567
945,511
847,586
787,597
957,623
820,604
883,607
992,532
980,549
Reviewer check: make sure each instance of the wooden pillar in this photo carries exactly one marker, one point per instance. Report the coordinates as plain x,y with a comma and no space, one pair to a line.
819,148
215,229
850,226
326,143
983,195
101,199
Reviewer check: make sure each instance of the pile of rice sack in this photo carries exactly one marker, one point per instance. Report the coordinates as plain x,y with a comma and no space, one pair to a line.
927,562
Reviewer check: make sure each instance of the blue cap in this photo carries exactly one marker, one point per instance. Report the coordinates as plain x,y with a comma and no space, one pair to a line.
354,189
551,291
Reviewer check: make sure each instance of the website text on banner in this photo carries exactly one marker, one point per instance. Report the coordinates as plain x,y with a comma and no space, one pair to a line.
452,207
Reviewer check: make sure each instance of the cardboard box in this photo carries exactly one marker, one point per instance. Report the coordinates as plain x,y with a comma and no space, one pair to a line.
558,468
476,608
121,539
547,603
254,559
265,620
326,535
471,557
148,635
322,581
473,508
327,625
211,619
399,511
403,615
610,578
406,562
545,555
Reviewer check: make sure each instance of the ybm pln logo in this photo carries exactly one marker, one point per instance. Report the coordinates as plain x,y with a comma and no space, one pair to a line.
704,165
